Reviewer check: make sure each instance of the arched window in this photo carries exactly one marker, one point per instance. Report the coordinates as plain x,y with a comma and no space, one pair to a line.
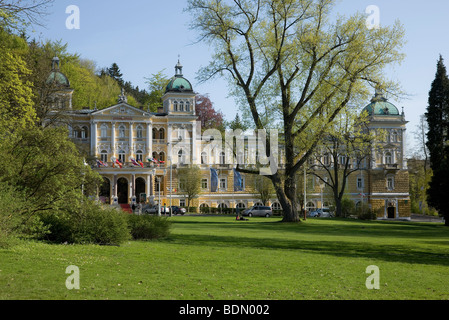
104,156
388,158
394,136
161,133
121,131
104,130
390,182
222,205
139,132
156,155
181,157
241,205
310,206
75,132
155,134
276,206
161,156
139,155
222,158
181,106
84,132
326,160
188,106
203,157
175,106
122,156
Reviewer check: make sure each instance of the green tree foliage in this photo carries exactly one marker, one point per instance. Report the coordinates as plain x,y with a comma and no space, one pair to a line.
437,140
237,124
114,72
343,151
157,84
189,182
16,96
45,165
294,57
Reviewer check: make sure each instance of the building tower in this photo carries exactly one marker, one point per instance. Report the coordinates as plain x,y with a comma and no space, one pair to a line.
387,188
58,88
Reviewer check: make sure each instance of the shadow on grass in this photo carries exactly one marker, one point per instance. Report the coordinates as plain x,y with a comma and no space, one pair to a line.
252,236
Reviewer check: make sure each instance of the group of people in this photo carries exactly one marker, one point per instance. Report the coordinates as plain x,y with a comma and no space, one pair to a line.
238,217
138,207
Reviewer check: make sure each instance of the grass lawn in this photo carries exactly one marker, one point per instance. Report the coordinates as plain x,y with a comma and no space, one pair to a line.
220,258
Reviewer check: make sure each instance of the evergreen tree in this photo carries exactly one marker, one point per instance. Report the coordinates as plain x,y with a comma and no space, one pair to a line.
114,72
437,116
237,124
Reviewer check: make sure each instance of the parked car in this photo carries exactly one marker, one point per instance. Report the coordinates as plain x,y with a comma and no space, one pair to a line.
155,209
178,210
261,211
324,213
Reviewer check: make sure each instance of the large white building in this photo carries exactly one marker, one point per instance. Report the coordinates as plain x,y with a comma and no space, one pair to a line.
138,153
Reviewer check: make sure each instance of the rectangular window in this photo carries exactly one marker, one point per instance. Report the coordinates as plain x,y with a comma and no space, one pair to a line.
223,183
204,184
182,202
359,183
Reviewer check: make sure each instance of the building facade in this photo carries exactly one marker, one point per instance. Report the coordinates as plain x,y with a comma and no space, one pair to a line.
138,154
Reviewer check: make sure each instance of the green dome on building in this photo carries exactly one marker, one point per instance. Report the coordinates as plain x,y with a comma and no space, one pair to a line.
380,106
57,77
178,83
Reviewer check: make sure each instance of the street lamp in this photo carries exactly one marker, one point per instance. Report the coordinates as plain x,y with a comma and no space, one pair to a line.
171,181
321,189
158,180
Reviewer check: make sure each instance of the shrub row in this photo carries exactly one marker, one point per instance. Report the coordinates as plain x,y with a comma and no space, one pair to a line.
95,224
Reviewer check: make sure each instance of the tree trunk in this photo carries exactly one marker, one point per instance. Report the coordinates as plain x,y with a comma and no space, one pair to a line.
287,197
338,209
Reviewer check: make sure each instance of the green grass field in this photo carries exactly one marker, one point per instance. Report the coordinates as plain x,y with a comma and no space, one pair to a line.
220,258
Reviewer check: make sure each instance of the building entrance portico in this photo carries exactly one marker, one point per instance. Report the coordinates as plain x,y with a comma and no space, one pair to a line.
122,191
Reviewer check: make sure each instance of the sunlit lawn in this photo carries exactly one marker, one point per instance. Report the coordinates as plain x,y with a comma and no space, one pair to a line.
220,258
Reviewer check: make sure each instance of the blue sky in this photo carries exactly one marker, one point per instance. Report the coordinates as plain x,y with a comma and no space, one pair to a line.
146,36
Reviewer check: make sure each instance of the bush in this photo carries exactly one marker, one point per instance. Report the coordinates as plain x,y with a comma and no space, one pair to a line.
90,223
347,207
15,219
366,213
148,227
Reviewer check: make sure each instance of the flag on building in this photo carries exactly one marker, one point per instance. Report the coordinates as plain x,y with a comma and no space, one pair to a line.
117,162
238,185
101,164
213,180
134,162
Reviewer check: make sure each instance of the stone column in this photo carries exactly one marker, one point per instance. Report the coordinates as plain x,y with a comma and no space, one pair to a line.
169,141
149,140
194,151
113,140
131,138
93,137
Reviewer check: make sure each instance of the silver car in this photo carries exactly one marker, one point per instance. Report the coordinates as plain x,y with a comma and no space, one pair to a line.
258,211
